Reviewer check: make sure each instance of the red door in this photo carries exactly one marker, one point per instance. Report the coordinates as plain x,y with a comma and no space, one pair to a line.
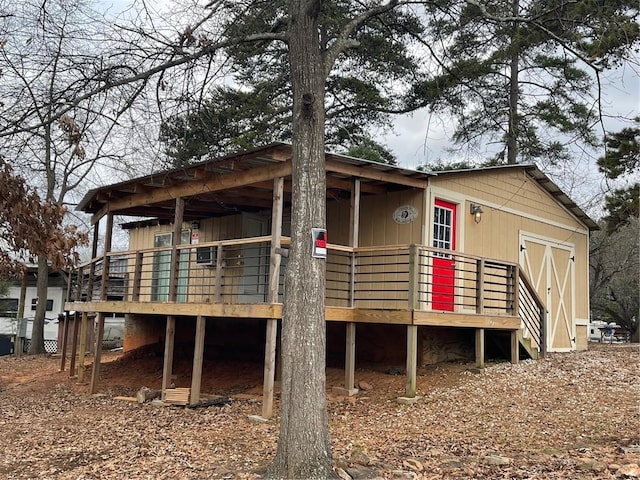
444,237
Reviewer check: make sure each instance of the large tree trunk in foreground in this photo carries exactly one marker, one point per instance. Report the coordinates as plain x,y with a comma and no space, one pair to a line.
42,287
304,450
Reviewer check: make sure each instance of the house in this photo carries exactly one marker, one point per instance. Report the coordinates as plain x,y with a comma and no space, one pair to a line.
26,289
420,266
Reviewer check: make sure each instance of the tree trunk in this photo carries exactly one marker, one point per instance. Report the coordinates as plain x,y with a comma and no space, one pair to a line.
42,286
512,134
304,450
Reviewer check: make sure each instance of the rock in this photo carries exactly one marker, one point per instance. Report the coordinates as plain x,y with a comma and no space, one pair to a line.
342,474
156,402
404,475
360,456
496,460
408,400
475,370
257,419
365,386
413,464
631,470
358,472
613,466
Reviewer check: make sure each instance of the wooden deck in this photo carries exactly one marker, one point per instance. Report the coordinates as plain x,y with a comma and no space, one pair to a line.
398,284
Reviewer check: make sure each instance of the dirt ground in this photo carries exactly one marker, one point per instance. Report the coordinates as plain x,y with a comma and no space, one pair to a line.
572,415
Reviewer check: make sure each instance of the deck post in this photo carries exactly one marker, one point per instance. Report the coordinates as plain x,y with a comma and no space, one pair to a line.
412,294
83,346
512,290
217,292
65,331
349,388
99,335
92,267
412,360
270,349
515,347
95,374
167,364
480,347
19,341
269,368
480,286
175,241
105,257
198,355
74,345
137,277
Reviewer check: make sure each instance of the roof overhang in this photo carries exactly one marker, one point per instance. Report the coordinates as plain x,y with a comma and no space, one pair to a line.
239,182
545,182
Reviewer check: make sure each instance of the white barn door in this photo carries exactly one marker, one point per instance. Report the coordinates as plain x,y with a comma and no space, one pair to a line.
550,265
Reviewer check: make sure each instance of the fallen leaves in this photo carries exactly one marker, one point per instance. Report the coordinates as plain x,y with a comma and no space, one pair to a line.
573,415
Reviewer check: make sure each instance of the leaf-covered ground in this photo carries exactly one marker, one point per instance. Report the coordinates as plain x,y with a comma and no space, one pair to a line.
573,415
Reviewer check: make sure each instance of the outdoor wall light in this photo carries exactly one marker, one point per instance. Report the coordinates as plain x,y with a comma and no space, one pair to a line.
195,225
476,211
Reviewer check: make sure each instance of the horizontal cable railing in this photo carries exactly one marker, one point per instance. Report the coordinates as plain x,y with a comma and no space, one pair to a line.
411,277
532,313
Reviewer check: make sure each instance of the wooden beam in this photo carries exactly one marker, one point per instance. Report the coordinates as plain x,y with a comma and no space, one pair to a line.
363,172
272,297
83,346
198,356
96,217
350,360
412,360
95,374
480,286
333,182
244,310
105,258
515,347
74,344
175,241
269,368
65,332
480,347
167,365
469,320
213,183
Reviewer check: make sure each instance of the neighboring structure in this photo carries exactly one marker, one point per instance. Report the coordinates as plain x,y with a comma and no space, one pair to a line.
428,266
56,296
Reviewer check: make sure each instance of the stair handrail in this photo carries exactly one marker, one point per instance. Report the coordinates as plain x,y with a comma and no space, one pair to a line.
528,285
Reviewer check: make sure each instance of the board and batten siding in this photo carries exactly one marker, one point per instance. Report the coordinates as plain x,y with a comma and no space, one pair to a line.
514,207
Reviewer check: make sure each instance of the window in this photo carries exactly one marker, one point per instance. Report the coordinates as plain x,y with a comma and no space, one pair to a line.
8,307
34,302
206,255
442,228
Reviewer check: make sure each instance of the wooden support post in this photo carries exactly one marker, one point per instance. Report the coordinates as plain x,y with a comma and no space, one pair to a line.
480,286
175,241
512,287
137,277
97,354
269,368
543,330
350,366
105,257
270,349
198,356
515,347
167,365
83,346
74,344
217,293
19,345
480,347
515,290
412,360
65,332
92,267
412,294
